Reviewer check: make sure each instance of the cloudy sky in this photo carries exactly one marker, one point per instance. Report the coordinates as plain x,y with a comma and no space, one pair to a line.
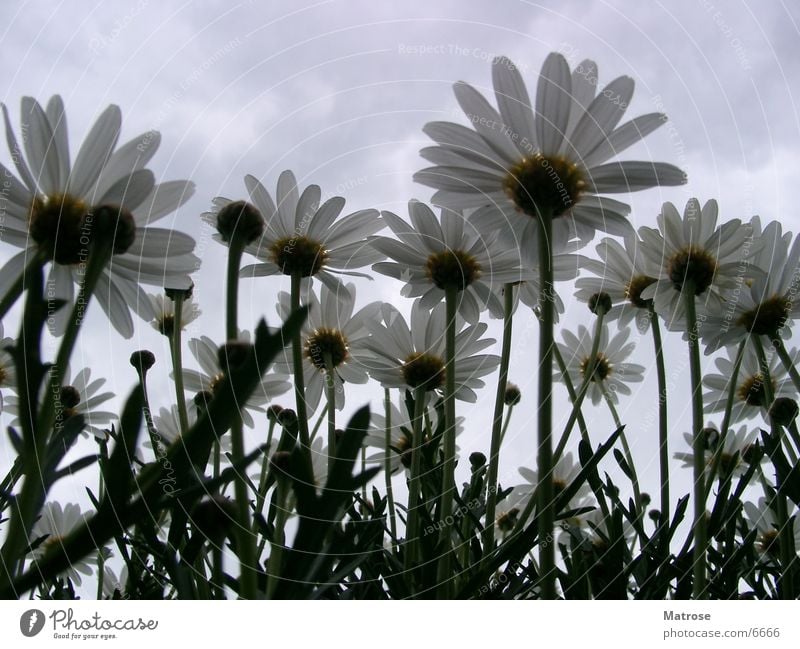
339,90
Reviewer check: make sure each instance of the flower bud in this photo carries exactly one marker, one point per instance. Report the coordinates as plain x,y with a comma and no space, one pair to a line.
783,411
240,219
273,412
287,418
174,293
600,303
513,395
477,460
143,360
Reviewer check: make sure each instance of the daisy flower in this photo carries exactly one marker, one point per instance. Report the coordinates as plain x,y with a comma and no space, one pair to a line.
431,257
765,302
762,518
749,393
621,272
114,586
611,373
164,313
693,249
79,396
414,357
565,472
401,434
301,236
553,159
331,328
741,441
51,209
212,373
54,524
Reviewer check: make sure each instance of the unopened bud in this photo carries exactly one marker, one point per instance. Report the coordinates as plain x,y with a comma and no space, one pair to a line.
513,395
273,412
783,411
240,219
600,303
143,360
287,418
477,460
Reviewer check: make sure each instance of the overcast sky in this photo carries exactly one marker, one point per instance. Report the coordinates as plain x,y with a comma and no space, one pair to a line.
339,91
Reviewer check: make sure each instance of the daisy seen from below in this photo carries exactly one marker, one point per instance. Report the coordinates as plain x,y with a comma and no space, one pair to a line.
413,356
54,525
78,395
164,313
749,392
693,251
333,330
737,449
611,374
549,158
212,373
302,237
622,273
401,434
763,519
565,471
56,205
764,302
431,256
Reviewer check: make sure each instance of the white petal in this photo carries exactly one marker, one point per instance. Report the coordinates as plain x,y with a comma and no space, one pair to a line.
553,103
95,151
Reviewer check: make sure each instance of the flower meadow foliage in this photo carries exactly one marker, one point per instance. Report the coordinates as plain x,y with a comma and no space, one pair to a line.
183,510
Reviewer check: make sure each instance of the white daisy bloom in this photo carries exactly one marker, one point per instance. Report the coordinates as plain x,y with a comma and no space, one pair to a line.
749,393
564,473
431,256
114,586
211,373
621,272
764,302
763,519
48,210
164,310
54,524
302,236
693,249
401,434
79,396
611,373
331,328
741,441
553,158
414,357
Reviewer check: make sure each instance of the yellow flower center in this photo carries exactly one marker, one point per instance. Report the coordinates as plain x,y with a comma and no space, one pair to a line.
549,184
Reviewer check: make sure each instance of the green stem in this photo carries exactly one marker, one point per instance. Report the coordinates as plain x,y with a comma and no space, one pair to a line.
699,451
497,428
445,582
414,496
509,412
663,430
330,395
299,381
33,490
279,538
177,362
546,518
577,401
387,461
777,342
716,460
248,587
